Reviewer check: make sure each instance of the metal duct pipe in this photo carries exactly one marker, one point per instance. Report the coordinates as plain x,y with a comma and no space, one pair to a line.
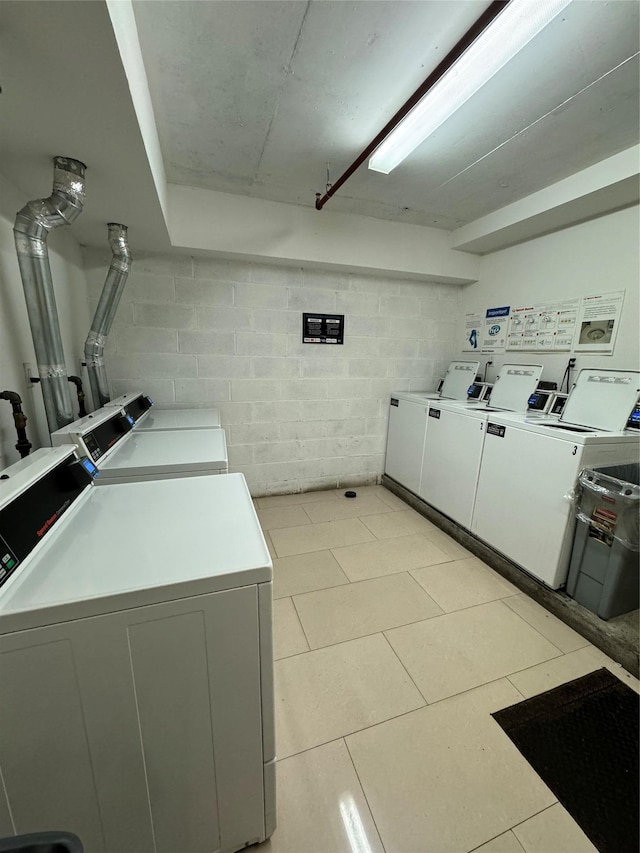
31,230
106,312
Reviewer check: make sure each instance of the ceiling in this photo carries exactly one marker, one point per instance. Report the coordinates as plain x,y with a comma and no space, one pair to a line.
254,98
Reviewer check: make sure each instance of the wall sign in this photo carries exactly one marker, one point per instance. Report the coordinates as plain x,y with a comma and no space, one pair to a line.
322,328
598,322
494,330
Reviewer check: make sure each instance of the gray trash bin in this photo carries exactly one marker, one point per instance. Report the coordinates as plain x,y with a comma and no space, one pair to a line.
42,842
604,570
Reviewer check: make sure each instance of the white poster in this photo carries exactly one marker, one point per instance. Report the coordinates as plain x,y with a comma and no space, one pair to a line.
598,322
472,331
548,327
494,329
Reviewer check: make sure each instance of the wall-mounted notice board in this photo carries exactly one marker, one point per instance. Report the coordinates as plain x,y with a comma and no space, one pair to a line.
322,328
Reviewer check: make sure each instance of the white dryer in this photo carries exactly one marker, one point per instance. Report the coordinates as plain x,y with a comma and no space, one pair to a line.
148,419
455,437
124,456
136,674
530,466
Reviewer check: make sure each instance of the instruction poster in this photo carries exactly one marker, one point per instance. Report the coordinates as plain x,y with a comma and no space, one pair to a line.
598,322
494,329
547,327
473,324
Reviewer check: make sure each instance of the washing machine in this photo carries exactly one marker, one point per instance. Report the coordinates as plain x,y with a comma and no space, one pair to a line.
408,423
136,660
454,441
108,437
529,468
148,419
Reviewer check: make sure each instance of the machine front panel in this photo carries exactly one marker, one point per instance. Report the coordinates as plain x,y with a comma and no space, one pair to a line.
405,442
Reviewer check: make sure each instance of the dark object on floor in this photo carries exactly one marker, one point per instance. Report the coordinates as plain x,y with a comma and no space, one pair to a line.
42,842
582,740
350,495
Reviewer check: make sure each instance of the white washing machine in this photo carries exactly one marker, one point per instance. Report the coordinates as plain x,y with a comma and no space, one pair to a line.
136,664
530,466
455,437
408,423
148,419
124,456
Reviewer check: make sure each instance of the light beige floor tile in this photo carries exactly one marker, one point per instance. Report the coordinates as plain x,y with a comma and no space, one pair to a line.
329,693
461,650
561,635
505,843
346,508
446,778
267,539
447,544
305,573
321,807
553,830
298,498
288,636
283,516
319,537
345,612
392,524
551,674
463,583
388,556
380,492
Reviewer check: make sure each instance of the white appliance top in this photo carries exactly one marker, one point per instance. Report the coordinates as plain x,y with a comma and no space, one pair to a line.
602,399
124,399
166,452
459,376
555,428
514,385
137,544
160,419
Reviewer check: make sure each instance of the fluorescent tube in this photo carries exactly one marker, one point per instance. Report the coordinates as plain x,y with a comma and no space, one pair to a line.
507,34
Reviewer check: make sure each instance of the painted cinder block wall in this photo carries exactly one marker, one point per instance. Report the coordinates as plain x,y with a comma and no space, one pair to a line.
197,331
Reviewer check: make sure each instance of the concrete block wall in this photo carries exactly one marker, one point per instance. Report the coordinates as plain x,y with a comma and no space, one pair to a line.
201,332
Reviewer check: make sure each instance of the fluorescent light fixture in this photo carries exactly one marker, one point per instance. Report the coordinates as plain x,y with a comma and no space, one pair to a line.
507,34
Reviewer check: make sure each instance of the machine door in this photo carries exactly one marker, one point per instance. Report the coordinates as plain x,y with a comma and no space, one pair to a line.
521,505
405,442
451,462
140,730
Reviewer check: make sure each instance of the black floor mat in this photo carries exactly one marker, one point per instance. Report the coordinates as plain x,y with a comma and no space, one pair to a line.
582,739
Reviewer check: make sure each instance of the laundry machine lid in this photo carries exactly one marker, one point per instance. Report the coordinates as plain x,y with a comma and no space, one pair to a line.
460,375
138,544
602,399
161,419
167,452
514,385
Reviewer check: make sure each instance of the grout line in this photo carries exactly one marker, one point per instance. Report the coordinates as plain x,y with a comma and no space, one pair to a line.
364,794
560,652
300,621
488,841
553,616
546,809
514,686
405,668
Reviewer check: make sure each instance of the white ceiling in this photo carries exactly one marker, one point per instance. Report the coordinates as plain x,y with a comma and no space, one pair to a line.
255,97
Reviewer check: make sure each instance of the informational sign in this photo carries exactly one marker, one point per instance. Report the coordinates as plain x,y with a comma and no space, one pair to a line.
546,327
473,324
598,321
494,329
322,328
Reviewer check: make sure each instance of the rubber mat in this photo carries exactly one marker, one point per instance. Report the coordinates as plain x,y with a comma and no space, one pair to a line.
582,739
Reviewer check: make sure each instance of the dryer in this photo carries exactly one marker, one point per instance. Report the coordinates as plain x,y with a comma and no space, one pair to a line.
455,438
139,407
529,468
136,673
107,436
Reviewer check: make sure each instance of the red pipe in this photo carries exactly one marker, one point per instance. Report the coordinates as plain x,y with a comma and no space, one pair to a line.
454,54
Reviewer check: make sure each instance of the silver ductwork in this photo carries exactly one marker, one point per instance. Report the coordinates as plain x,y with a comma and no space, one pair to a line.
106,312
31,230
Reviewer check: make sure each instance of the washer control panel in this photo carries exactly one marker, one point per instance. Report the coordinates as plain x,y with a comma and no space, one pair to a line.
102,437
137,407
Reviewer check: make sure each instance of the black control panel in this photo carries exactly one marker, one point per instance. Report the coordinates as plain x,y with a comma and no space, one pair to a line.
634,418
474,391
30,516
136,408
538,400
106,434
558,405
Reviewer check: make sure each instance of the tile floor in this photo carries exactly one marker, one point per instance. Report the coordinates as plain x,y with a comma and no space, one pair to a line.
393,645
